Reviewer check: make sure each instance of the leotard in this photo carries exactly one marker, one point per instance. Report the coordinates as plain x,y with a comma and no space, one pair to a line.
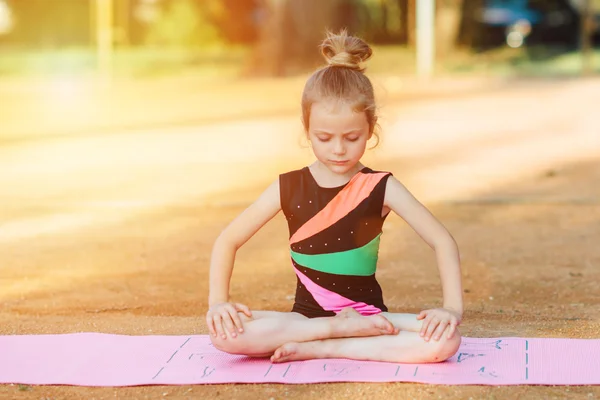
334,241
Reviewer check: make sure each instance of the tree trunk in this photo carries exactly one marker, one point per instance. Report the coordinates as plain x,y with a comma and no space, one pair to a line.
290,34
267,57
585,32
403,6
385,34
469,26
447,28
411,25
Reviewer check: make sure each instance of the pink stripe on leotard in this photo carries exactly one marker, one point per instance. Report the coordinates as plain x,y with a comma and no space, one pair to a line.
358,189
332,301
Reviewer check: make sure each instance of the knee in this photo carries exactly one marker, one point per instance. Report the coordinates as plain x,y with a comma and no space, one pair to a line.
229,345
219,343
445,348
232,345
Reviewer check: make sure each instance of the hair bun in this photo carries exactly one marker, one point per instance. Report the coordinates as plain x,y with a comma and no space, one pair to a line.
342,50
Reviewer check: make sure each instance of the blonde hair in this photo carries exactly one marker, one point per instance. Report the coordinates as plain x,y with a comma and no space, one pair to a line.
343,78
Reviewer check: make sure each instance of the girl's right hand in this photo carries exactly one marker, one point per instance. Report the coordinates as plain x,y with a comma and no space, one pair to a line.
226,314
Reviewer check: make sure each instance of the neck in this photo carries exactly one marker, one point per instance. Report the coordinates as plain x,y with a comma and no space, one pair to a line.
331,178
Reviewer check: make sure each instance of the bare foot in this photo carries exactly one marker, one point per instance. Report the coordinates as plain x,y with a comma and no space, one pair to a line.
359,326
299,351
348,312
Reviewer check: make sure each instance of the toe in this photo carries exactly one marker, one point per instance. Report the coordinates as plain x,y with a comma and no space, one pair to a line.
280,356
383,323
276,355
281,360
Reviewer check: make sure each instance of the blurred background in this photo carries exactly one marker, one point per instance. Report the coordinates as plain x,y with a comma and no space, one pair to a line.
133,131
115,106
89,53
153,88
278,37
116,63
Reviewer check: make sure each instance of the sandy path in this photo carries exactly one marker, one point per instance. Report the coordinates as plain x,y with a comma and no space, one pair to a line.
113,234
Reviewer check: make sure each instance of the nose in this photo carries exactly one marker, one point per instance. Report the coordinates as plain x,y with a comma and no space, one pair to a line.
339,149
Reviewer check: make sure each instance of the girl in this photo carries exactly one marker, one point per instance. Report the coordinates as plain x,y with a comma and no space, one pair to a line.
335,209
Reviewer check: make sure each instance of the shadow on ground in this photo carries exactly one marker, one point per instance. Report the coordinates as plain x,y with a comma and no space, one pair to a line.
529,254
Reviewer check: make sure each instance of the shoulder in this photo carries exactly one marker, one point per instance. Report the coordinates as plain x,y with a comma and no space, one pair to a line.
397,195
367,170
290,185
383,174
380,178
394,184
292,179
292,174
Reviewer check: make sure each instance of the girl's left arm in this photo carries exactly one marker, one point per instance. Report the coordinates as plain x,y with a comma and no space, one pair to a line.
403,203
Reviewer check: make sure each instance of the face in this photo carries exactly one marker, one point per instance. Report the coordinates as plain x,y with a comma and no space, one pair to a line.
338,135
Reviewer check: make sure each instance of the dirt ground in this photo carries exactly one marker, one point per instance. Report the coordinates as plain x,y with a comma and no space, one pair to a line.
530,263
530,258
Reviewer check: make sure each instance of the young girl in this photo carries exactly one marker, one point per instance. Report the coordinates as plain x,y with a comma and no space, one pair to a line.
335,209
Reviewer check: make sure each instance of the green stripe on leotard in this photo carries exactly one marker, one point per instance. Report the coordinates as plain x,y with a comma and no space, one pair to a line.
358,262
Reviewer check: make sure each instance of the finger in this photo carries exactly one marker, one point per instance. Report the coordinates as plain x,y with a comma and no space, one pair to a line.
237,322
431,327
440,330
228,323
421,315
245,309
219,326
426,323
211,327
451,329
424,326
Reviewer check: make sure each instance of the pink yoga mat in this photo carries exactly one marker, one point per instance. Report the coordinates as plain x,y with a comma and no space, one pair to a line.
93,359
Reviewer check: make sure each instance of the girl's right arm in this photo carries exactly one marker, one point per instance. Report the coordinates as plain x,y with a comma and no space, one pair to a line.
239,231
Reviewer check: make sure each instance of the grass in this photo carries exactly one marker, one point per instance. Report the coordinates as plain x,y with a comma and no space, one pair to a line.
224,63
138,62
529,62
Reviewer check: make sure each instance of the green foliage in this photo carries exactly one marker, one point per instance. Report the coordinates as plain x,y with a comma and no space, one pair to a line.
183,24
49,24
381,20
235,19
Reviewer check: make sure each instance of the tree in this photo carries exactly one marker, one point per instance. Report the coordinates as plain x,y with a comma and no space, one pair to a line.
236,20
448,22
291,30
469,27
41,23
586,31
182,24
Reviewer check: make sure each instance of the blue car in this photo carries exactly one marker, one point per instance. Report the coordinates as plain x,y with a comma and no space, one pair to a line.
519,22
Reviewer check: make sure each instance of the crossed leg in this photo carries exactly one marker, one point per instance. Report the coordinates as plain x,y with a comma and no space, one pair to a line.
405,347
290,336
268,330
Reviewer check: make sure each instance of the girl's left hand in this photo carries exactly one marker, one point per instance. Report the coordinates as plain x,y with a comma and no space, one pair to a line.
436,321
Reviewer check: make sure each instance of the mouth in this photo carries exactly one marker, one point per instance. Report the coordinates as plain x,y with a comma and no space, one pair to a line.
339,162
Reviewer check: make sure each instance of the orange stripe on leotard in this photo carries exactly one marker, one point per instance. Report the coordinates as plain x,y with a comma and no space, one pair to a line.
359,188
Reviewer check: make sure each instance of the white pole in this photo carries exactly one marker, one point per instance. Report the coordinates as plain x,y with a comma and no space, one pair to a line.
425,38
